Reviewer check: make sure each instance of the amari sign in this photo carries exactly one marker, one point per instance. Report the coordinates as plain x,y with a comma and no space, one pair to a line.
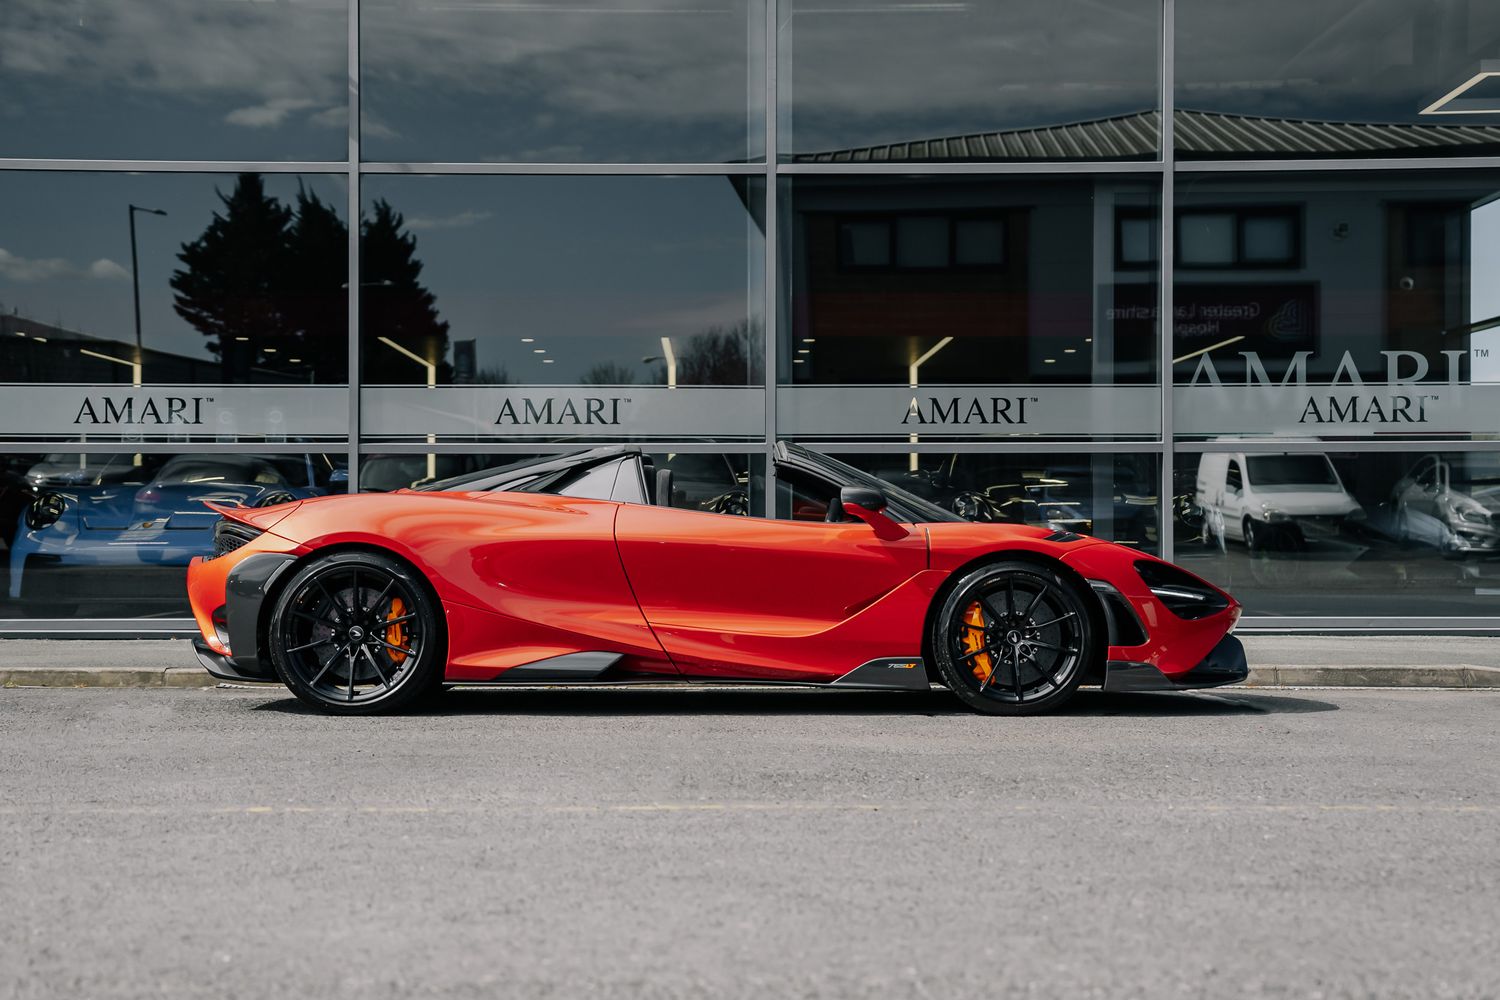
176,412
962,411
1417,395
548,413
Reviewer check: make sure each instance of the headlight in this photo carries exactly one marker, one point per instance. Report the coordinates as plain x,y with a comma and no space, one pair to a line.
1270,513
1184,594
44,511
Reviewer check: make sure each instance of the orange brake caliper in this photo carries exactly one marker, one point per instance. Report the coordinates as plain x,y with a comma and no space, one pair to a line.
974,639
396,634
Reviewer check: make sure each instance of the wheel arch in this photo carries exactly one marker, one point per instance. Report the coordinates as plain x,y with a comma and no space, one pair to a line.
274,591
1093,672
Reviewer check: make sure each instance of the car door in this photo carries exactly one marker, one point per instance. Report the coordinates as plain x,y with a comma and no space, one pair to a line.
749,597
1233,503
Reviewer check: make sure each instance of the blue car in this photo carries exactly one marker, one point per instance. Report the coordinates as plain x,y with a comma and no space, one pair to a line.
124,543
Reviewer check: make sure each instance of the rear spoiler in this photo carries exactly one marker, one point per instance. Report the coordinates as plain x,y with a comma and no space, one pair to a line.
256,517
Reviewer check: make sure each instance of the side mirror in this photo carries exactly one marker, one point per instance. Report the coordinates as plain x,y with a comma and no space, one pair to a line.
868,505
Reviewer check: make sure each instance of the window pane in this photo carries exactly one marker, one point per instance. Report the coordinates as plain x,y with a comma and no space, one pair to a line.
1108,496
1269,239
175,80
110,535
1343,534
1139,241
1364,305
922,241
1205,240
556,308
240,330
865,244
1009,313
1288,78
978,242
890,80
665,81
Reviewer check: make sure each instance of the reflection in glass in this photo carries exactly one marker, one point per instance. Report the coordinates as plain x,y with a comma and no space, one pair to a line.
1344,534
1107,496
174,80
665,81
112,535
888,80
960,280
535,280
1341,304
1340,78
242,279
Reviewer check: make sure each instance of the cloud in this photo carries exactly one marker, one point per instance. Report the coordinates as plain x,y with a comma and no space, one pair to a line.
458,220
107,270
26,270
270,114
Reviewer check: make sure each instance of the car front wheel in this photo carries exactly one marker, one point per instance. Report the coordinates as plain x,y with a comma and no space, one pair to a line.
1013,638
354,633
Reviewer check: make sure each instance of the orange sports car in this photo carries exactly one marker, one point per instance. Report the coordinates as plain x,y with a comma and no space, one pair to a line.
588,568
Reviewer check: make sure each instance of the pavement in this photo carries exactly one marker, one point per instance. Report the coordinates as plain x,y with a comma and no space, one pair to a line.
695,843
1300,660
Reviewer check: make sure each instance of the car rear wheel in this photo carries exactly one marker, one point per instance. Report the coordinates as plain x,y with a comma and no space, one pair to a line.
355,633
1013,638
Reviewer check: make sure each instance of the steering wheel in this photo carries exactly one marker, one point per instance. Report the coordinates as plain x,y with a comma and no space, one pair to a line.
734,502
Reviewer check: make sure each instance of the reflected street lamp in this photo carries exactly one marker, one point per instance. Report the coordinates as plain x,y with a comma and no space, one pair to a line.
431,384
135,280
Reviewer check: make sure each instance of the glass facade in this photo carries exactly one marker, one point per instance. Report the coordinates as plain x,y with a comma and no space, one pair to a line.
258,251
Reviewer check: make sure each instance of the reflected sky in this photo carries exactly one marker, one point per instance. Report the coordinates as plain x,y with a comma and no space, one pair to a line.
864,72
1338,60
564,81
174,79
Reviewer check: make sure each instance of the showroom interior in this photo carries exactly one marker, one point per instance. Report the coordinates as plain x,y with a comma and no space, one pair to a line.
253,252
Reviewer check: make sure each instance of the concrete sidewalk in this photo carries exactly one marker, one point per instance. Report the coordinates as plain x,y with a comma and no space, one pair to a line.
1442,661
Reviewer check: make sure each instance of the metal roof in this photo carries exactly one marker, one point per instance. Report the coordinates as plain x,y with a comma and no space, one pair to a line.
1199,134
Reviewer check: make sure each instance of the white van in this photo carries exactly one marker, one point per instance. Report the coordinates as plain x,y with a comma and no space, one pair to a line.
1246,498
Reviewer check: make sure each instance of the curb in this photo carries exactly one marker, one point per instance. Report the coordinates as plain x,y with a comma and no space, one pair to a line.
1352,675
1288,675
106,677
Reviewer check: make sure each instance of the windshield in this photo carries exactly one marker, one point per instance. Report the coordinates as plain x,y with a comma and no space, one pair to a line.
1291,470
908,506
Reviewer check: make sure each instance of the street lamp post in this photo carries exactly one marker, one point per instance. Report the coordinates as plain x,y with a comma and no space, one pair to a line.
135,278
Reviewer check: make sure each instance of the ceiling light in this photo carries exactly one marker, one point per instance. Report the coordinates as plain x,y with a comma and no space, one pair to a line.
1455,103
242,339
1070,350
40,340
295,361
808,340
1049,361
528,340
548,361
798,361
268,350
539,350
1088,340
804,351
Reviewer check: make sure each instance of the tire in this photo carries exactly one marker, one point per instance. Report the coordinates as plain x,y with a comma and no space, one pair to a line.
1013,638
356,633
1252,535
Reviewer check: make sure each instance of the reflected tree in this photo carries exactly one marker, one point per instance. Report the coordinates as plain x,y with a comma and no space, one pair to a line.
231,284
723,355
609,373
396,306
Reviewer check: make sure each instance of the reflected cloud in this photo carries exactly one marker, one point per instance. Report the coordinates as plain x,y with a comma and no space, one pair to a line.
26,270
458,220
269,114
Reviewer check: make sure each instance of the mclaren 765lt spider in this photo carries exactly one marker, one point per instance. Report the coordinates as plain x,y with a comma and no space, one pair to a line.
598,567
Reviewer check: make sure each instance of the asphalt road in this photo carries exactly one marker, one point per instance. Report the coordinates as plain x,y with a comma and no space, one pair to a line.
750,844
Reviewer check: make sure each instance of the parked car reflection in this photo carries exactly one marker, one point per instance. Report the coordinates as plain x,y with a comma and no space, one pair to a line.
1272,502
1450,509
128,543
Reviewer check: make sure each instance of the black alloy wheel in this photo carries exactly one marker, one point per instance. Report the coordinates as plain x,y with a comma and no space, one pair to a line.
355,633
1013,638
